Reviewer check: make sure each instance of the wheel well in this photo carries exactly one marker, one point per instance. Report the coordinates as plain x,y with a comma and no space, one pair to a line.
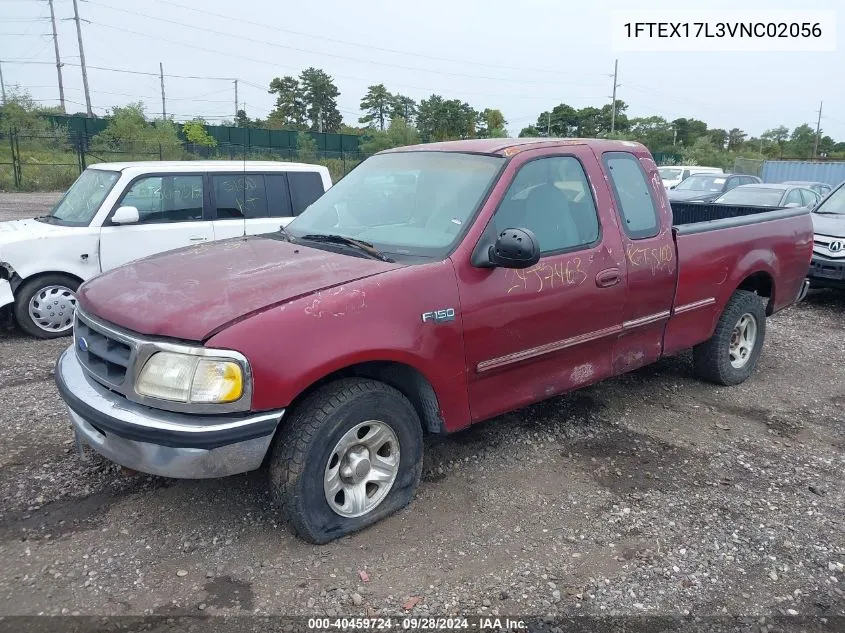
762,284
404,378
16,281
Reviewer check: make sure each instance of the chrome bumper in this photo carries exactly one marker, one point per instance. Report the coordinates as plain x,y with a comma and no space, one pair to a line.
160,442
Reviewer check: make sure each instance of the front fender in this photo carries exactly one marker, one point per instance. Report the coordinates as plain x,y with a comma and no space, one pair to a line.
75,255
293,346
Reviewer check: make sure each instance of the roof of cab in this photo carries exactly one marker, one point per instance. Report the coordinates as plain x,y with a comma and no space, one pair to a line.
205,165
511,146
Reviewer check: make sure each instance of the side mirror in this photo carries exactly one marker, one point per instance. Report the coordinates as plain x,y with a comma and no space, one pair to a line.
514,248
125,215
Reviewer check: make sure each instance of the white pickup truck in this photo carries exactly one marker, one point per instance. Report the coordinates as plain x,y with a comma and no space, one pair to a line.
118,212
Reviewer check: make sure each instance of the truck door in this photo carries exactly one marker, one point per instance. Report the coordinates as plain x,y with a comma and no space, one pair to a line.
646,220
536,332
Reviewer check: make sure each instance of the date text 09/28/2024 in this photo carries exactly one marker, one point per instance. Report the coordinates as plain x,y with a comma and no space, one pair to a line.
480,623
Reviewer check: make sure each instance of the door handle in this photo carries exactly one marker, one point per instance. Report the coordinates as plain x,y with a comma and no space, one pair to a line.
608,277
198,238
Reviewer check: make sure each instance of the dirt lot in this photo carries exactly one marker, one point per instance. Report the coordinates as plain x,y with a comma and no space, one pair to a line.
653,493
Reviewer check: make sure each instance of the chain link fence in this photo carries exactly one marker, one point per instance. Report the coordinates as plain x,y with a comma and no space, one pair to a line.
52,161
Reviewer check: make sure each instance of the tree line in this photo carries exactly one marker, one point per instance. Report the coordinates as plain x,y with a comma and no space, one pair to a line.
689,137
308,102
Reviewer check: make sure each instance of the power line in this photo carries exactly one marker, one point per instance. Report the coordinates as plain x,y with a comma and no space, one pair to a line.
275,28
275,65
301,50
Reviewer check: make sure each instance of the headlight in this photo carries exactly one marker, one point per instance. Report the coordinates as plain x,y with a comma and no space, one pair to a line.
186,378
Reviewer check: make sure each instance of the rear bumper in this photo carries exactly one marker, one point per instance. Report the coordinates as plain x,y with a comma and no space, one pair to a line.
6,296
826,272
160,442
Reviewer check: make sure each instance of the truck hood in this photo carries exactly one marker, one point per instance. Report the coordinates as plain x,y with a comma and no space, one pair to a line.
194,292
831,225
691,196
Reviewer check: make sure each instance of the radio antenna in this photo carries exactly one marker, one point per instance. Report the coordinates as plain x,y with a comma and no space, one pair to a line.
243,183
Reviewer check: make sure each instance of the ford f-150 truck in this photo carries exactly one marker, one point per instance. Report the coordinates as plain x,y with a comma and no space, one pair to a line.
433,287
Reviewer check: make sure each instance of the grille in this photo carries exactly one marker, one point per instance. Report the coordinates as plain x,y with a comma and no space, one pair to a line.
104,356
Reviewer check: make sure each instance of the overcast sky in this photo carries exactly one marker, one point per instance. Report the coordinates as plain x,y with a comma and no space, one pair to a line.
522,58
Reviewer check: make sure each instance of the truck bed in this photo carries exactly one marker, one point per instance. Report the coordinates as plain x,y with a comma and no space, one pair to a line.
722,247
684,213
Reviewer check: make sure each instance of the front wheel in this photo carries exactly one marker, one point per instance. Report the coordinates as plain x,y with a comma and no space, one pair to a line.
350,455
44,306
730,355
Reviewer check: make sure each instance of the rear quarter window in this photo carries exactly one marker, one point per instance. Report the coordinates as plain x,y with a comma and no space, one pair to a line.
305,188
632,194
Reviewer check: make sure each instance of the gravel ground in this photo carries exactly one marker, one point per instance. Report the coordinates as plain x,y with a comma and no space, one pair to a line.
17,206
653,493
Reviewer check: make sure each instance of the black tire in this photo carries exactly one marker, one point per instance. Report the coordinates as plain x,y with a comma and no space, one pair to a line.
29,289
711,359
305,442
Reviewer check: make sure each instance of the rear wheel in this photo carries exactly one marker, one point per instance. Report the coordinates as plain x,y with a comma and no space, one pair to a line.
44,306
730,355
350,455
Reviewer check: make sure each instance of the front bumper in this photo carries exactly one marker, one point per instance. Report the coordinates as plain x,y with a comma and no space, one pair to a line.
160,442
826,272
6,295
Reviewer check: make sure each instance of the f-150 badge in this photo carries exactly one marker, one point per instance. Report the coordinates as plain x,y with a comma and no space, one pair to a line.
439,316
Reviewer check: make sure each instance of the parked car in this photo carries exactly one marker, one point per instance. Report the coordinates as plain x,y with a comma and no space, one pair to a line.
770,195
827,269
512,271
708,187
820,188
118,212
675,174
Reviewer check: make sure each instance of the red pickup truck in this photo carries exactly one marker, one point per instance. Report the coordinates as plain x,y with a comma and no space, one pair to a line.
433,287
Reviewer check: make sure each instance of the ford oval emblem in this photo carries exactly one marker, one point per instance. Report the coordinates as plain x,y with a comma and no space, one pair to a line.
82,344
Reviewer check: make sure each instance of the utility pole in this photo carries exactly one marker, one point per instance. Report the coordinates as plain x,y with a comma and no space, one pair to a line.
236,102
58,59
2,85
613,98
674,136
82,59
320,119
818,131
549,125
163,106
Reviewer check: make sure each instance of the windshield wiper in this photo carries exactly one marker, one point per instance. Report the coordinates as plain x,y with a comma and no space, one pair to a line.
365,247
827,212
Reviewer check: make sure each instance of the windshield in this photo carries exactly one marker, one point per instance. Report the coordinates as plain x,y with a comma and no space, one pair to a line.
81,202
406,203
753,196
669,173
834,204
702,183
